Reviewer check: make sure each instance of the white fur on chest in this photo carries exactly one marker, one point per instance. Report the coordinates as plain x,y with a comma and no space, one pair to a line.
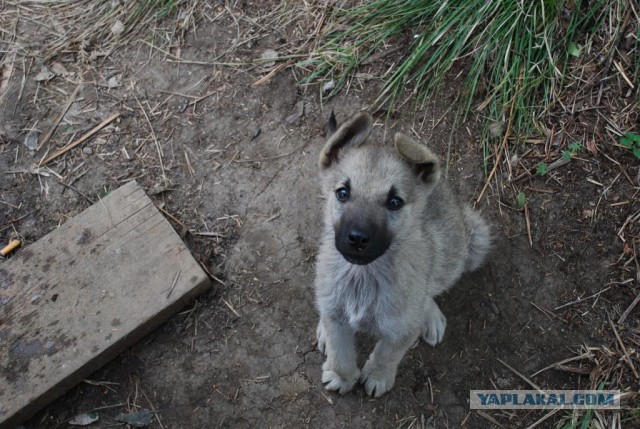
360,294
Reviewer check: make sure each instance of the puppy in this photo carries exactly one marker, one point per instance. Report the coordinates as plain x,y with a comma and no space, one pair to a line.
395,236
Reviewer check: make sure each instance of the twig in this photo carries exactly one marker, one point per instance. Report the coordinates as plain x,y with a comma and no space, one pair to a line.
73,188
531,383
624,350
543,418
204,267
628,310
572,369
230,307
528,221
55,124
489,418
81,140
12,221
209,234
207,95
171,216
585,355
269,75
155,139
582,299
153,409
546,312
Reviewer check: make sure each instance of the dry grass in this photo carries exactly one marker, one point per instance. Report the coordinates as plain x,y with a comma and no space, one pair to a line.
610,367
93,29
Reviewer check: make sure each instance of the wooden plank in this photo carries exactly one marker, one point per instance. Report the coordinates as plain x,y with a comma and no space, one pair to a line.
79,296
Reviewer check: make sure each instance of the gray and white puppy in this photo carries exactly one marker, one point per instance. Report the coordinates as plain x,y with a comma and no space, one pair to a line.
395,236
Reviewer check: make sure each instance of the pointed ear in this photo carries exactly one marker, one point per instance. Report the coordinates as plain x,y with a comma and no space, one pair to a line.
331,126
426,163
350,134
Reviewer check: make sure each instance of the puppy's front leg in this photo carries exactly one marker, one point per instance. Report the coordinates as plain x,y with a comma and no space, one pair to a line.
340,371
379,373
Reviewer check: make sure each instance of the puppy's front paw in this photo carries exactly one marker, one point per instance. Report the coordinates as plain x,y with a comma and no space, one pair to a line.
341,383
434,327
377,379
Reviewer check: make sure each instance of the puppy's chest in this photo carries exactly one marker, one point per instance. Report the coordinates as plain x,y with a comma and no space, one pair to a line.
361,297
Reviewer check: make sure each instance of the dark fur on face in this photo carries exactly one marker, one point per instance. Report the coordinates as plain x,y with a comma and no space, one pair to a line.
361,238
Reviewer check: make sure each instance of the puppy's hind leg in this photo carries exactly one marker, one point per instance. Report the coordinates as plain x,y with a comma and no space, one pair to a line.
435,323
479,239
336,339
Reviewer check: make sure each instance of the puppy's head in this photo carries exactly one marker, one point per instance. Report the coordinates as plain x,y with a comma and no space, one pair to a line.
374,194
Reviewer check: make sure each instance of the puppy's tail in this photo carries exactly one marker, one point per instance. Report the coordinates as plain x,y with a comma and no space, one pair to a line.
479,239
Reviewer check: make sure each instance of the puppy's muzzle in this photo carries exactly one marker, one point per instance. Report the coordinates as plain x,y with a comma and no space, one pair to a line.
361,241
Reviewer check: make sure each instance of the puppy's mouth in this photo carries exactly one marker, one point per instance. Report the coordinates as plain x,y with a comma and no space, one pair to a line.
358,259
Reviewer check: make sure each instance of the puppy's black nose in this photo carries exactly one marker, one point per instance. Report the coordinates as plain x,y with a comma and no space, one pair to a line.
358,239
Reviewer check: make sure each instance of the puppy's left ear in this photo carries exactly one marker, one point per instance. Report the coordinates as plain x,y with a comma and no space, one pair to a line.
426,163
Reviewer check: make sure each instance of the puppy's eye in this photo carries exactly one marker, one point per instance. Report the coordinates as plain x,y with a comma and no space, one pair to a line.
395,203
342,194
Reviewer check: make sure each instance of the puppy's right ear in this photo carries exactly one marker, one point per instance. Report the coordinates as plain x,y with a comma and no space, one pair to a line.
331,126
350,134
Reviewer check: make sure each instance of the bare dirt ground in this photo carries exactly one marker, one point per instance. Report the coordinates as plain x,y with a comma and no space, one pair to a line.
223,156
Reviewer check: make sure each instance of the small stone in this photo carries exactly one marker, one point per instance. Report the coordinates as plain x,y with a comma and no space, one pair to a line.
269,54
59,69
44,75
31,139
297,114
113,82
328,86
87,150
117,28
255,132
495,129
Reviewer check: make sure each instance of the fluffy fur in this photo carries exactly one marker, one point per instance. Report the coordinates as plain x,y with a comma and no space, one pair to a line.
428,243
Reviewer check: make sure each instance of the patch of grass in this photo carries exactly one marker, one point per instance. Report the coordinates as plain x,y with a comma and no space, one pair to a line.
631,141
572,151
517,51
542,169
521,200
161,8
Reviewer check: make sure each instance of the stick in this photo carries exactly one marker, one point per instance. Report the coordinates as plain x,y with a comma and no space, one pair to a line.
543,418
269,75
582,299
628,310
489,418
526,218
230,306
46,138
531,383
155,140
202,97
81,140
624,350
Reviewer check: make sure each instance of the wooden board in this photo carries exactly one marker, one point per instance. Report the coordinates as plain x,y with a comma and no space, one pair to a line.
79,296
